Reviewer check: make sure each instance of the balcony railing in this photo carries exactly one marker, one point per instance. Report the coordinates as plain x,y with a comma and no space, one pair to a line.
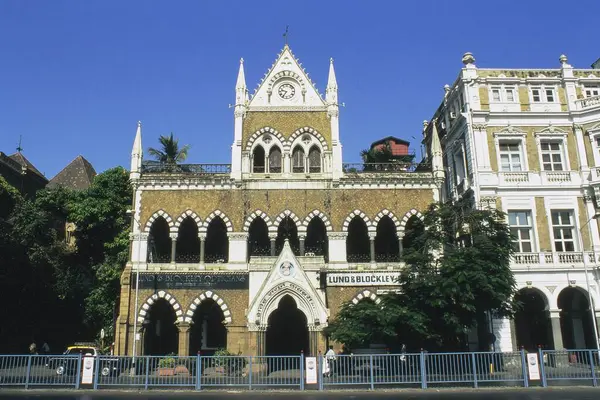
565,259
359,168
209,169
588,102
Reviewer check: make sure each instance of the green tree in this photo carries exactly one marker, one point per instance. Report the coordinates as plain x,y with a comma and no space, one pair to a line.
169,153
457,270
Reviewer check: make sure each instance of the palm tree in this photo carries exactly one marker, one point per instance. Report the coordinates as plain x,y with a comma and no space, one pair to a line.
170,153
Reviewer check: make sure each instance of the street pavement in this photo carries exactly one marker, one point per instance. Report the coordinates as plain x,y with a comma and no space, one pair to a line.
430,394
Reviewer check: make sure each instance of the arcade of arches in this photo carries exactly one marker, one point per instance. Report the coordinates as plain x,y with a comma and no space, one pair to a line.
569,327
188,246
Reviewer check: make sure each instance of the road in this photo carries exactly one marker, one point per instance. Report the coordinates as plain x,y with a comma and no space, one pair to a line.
431,394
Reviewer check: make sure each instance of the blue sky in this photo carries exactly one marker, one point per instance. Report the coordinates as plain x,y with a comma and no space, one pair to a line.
76,76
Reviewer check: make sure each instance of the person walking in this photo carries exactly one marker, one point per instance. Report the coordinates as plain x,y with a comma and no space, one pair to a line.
331,360
46,353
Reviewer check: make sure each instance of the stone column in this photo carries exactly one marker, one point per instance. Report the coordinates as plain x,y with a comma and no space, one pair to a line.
372,245
556,331
173,246
184,338
202,237
260,340
513,335
400,245
302,238
272,238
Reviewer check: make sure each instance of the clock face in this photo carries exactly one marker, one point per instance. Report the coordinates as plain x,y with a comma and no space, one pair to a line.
286,91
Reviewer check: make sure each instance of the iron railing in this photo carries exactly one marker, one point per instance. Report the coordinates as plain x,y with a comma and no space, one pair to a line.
423,369
395,167
209,169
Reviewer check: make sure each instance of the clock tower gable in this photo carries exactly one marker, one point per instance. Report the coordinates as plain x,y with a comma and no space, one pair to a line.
286,86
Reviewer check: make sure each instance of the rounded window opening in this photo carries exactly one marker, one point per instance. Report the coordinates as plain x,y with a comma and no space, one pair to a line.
258,239
159,242
188,243
387,246
258,160
532,321
217,242
357,243
316,242
287,230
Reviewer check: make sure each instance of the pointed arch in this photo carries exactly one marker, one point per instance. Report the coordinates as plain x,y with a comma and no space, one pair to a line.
213,215
157,214
208,294
188,213
262,131
287,213
312,132
366,294
313,214
412,213
361,215
259,214
386,212
142,315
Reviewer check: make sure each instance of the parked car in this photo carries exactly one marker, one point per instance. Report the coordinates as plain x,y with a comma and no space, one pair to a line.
66,364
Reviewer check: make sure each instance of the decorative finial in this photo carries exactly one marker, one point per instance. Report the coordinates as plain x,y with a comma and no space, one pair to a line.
425,123
139,124
331,60
19,148
563,59
285,35
242,60
446,88
468,58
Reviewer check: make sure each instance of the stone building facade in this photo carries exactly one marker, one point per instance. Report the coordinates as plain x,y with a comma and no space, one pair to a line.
527,141
258,255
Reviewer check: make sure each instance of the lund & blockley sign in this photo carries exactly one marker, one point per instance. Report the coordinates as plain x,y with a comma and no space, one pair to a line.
363,278
192,281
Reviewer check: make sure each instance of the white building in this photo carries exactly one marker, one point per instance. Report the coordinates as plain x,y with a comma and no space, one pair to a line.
527,141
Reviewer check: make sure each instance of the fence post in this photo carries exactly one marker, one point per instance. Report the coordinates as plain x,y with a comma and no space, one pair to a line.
524,368
250,373
78,378
423,371
28,372
474,366
302,370
147,359
96,371
593,368
320,376
371,371
542,366
198,371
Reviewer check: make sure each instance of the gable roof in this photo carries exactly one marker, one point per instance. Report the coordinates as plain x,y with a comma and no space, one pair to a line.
20,158
393,138
78,175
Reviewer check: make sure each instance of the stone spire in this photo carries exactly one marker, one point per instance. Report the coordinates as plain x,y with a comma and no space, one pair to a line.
241,90
437,162
137,154
331,90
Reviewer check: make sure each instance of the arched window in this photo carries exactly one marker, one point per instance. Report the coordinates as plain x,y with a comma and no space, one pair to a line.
159,242
298,160
258,160
275,160
316,239
413,234
259,243
287,230
387,247
217,242
314,160
188,244
357,243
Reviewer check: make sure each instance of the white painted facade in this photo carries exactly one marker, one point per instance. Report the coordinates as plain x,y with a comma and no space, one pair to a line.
493,124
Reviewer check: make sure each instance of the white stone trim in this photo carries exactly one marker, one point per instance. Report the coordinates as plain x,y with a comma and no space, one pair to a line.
313,132
251,144
208,295
412,213
542,291
352,215
142,315
163,214
313,214
388,213
215,214
186,214
284,214
258,214
366,294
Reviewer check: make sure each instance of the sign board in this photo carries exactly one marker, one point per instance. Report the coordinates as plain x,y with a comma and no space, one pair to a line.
87,377
199,280
311,370
363,279
533,366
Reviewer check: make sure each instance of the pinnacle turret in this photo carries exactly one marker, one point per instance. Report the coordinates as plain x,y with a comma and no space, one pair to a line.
241,90
137,153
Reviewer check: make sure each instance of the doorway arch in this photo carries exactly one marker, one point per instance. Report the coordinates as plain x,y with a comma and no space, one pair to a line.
208,332
161,335
532,321
575,319
287,329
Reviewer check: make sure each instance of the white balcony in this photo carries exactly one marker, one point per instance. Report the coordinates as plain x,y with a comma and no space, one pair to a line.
588,102
543,261
531,178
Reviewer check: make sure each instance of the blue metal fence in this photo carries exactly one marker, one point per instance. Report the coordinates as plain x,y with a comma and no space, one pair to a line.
369,371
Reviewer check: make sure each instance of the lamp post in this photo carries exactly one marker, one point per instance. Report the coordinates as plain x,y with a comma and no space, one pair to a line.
587,279
137,284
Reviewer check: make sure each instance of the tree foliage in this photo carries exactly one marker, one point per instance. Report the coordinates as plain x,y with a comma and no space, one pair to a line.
52,291
457,270
169,152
